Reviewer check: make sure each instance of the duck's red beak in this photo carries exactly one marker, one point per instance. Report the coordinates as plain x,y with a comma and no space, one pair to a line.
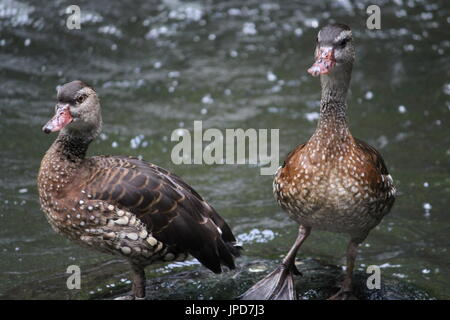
61,119
324,61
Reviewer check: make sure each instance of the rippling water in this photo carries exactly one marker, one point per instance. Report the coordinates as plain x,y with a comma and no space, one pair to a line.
160,65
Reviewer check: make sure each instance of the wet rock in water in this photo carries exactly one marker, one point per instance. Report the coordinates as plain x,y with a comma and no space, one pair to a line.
319,281
111,279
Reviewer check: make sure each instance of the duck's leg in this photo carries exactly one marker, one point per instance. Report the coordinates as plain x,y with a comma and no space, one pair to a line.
138,286
279,284
346,290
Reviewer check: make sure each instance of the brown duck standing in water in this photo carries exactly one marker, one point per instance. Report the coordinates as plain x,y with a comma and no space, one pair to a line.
122,205
334,181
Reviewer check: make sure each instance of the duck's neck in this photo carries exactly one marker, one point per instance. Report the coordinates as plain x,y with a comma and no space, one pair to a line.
70,148
333,108
62,163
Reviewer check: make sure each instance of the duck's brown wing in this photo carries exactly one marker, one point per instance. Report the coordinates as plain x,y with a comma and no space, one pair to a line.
172,210
382,180
292,153
376,158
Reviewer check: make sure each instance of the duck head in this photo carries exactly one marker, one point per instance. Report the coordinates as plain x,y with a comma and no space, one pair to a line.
77,111
334,50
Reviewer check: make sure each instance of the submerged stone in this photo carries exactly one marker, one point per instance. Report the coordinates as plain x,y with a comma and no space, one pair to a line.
189,280
318,281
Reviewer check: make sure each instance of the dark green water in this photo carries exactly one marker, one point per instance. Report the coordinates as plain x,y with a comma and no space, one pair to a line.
158,66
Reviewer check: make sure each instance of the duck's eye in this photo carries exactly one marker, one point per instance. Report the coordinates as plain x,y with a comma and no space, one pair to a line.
343,42
80,99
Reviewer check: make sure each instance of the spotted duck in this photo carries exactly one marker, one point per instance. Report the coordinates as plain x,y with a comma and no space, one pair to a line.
122,205
334,181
